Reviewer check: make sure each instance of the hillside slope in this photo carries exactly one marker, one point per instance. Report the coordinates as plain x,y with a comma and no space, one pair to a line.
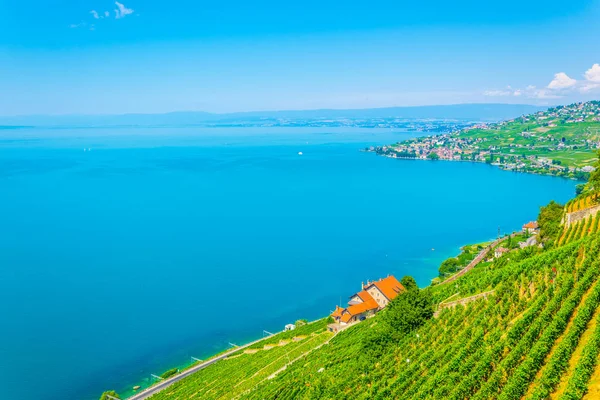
535,335
560,141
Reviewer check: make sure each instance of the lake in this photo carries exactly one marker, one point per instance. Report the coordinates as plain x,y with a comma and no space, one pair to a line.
127,251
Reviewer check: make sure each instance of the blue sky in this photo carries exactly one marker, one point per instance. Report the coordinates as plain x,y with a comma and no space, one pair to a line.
102,56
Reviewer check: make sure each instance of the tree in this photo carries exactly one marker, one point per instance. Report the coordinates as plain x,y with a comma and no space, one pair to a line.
111,393
433,156
448,266
409,283
579,188
408,311
594,179
549,221
169,373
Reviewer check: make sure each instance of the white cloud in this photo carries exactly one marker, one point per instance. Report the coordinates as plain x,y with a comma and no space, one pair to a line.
593,74
121,11
530,92
589,87
509,91
544,94
561,81
496,93
562,85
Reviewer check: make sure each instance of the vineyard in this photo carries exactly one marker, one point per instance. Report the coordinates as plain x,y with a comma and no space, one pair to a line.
242,371
578,230
534,335
523,342
581,203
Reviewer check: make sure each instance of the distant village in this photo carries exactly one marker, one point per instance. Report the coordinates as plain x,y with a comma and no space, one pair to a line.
525,144
434,126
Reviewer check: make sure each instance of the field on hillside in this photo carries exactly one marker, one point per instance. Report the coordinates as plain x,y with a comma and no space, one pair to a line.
531,138
536,337
561,141
244,370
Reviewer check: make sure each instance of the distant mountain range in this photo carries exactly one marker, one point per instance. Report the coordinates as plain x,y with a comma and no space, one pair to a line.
482,112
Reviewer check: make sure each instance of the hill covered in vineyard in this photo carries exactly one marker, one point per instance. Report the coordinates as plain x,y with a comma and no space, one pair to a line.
525,324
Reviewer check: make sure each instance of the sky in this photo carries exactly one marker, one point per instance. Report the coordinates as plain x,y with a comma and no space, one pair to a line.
108,57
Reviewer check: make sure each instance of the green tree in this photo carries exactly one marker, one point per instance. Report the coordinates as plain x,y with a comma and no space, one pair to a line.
433,156
111,393
169,373
408,311
594,179
409,283
549,221
448,266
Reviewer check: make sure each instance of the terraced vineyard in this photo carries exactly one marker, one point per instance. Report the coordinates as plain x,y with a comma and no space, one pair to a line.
535,335
581,203
244,370
523,342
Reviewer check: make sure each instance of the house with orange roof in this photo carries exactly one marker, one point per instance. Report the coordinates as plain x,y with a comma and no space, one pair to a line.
373,297
530,227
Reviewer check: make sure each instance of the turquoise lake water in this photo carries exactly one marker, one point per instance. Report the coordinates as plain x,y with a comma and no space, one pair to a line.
157,245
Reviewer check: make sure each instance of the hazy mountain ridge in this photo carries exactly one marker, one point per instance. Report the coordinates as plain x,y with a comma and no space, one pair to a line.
488,112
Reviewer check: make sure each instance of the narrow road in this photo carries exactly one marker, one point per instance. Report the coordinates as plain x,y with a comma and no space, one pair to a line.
146,393
477,259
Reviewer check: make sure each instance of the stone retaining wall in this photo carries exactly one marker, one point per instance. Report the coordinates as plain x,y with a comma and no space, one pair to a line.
576,216
462,302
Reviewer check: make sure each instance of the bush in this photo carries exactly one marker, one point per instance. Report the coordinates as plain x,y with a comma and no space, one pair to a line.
111,393
169,373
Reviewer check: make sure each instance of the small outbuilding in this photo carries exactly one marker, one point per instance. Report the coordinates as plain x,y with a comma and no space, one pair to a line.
500,251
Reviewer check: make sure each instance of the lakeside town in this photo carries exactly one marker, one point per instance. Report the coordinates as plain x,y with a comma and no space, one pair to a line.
560,141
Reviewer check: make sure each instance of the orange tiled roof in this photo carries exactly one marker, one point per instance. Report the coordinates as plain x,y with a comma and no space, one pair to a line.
338,312
531,225
364,295
346,317
362,307
390,287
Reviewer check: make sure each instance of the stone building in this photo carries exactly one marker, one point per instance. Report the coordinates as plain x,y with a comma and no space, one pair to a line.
373,297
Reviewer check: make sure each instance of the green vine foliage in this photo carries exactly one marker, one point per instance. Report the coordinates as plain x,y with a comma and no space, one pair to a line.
535,333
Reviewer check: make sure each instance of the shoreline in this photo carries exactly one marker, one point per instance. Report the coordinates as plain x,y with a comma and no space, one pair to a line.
189,369
499,166
129,394
160,385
